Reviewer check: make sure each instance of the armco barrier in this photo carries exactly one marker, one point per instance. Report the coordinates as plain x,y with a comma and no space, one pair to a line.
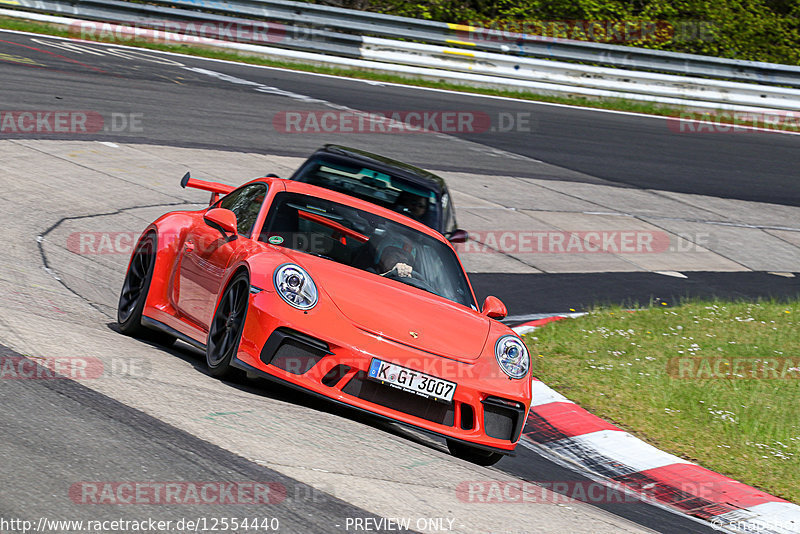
573,75
302,14
465,70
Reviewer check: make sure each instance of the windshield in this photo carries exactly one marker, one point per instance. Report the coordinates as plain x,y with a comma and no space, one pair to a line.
392,192
368,242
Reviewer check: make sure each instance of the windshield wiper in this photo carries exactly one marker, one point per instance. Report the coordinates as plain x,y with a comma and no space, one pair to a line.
419,284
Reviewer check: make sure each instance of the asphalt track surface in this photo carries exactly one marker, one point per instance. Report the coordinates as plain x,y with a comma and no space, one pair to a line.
101,440
186,108
189,108
64,437
559,292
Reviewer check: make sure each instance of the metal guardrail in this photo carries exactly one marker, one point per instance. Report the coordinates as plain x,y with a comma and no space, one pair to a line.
154,16
573,75
300,15
376,24
310,37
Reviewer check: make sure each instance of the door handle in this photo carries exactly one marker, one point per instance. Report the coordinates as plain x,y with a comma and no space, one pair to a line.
188,246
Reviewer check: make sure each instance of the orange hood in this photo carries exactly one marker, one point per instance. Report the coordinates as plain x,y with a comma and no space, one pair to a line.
394,310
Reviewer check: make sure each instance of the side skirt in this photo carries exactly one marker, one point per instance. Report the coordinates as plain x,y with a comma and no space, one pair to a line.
158,325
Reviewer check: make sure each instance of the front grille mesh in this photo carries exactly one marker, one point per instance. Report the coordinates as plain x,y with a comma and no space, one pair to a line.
502,418
294,357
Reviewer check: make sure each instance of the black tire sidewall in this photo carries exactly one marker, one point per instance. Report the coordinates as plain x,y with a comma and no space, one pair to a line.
223,368
133,324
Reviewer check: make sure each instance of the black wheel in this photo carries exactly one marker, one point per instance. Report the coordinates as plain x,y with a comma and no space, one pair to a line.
226,327
134,293
473,454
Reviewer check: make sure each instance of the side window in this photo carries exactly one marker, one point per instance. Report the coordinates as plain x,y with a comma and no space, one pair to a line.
245,203
449,213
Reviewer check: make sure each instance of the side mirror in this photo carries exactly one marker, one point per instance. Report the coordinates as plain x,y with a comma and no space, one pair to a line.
494,308
458,236
221,219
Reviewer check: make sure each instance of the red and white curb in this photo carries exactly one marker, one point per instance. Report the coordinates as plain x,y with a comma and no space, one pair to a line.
562,430
541,319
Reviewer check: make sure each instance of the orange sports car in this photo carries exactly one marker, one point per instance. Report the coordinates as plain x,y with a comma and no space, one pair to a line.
336,296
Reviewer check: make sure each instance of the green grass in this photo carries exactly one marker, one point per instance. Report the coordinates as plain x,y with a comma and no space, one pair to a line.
614,104
622,366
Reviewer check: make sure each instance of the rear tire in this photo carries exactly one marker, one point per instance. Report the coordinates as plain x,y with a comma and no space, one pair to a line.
226,328
134,293
473,454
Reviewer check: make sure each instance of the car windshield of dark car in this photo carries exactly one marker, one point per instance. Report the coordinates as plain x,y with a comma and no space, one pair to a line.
391,192
366,241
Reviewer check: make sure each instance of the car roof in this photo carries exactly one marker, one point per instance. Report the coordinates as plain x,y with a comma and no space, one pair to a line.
413,174
292,186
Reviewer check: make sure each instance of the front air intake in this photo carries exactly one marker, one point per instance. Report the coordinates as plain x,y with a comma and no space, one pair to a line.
333,376
502,418
293,351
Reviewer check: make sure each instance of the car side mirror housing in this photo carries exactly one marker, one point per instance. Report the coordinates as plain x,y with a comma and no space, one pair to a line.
458,236
494,308
222,219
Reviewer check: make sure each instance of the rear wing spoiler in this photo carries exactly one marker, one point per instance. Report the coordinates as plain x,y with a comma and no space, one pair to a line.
216,188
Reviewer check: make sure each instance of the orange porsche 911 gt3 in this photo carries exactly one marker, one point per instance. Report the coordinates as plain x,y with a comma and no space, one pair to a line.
339,297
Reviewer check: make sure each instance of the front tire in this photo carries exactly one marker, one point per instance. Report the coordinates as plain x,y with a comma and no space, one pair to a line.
473,454
227,325
134,293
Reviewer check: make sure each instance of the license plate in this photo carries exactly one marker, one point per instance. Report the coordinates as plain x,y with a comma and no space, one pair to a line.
410,380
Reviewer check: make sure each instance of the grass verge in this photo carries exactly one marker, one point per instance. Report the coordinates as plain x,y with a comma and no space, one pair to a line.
216,53
717,383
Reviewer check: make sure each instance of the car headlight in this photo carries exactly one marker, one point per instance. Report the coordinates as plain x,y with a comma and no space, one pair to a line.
512,356
295,286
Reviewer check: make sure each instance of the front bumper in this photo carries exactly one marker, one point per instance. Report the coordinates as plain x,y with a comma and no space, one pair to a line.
488,410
